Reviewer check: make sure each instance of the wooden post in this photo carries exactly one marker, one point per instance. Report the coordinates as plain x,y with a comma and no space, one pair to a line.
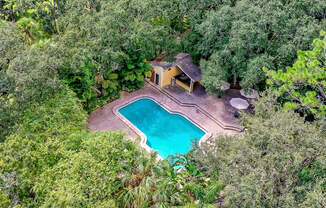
191,86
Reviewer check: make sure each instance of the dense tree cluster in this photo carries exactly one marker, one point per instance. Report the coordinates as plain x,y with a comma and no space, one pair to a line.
96,47
279,162
234,40
52,160
28,75
61,59
101,46
303,86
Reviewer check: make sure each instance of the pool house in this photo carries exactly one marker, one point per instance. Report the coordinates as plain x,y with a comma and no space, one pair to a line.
182,72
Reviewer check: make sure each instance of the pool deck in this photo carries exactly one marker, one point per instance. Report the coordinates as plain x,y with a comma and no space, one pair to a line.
208,112
219,109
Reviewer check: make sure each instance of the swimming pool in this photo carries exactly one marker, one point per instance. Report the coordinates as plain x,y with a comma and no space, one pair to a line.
167,133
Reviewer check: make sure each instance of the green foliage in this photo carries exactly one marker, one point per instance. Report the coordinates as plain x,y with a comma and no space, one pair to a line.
12,43
303,86
4,201
52,160
44,13
235,39
31,29
312,174
57,57
100,46
45,134
28,75
200,187
211,77
104,47
279,161
102,51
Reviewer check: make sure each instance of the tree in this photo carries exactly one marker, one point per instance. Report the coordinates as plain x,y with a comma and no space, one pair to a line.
43,13
28,75
29,78
12,43
303,86
106,50
51,159
279,161
235,39
100,47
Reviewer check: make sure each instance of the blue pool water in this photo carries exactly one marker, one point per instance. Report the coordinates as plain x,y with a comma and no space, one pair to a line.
167,133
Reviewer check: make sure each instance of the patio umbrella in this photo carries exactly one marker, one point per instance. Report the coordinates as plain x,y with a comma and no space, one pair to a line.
239,103
224,86
251,94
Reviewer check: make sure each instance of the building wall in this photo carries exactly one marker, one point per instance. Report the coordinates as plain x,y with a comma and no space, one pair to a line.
168,74
185,86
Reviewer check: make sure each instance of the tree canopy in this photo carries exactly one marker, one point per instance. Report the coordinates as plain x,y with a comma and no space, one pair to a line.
303,86
279,161
101,47
59,60
52,160
234,40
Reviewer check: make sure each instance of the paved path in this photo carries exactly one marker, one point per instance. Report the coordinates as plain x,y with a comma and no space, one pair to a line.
106,118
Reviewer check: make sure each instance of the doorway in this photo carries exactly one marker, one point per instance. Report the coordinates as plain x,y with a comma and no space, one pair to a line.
157,79
152,76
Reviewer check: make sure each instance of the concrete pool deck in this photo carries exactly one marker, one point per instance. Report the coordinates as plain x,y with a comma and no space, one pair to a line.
210,119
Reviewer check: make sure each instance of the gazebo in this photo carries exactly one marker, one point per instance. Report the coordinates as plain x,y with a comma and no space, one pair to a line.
182,72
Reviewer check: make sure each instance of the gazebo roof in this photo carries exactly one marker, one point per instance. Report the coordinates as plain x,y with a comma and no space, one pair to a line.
184,62
164,65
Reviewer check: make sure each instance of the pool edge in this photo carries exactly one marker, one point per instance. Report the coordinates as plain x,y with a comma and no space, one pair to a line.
142,135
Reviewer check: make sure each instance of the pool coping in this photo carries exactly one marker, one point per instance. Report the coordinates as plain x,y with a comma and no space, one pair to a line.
143,137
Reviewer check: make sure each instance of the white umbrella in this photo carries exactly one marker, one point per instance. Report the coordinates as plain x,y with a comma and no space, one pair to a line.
239,103
251,94
224,86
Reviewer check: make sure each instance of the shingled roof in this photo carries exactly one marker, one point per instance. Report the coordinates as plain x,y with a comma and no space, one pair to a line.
162,64
184,62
